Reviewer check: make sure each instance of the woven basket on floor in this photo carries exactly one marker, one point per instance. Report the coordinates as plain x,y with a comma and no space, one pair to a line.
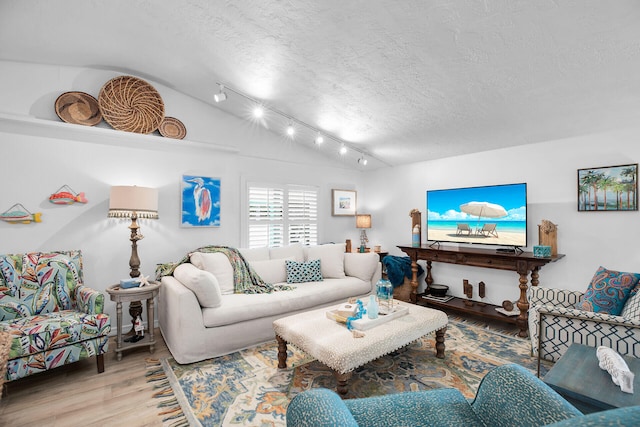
131,104
5,346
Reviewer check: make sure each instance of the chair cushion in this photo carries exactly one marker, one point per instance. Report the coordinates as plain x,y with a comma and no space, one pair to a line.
302,272
201,282
608,291
47,331
440,407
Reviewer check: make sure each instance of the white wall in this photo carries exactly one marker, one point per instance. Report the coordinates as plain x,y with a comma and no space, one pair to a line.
588,239
34,165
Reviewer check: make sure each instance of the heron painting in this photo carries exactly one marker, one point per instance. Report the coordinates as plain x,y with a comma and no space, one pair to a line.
200,201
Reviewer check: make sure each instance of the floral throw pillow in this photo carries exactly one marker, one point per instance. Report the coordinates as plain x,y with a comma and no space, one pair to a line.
608,291
301,272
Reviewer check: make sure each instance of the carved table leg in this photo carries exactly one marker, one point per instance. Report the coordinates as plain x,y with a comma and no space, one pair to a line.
282,352
413,297
342,380
523,305
440,342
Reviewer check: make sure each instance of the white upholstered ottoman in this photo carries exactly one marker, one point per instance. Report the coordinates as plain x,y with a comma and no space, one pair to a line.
332,344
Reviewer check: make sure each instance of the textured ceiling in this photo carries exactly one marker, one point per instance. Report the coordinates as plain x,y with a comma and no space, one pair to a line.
400,80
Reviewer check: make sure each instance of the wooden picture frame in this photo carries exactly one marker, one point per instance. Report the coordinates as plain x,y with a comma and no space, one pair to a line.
343,202
200,201
608,188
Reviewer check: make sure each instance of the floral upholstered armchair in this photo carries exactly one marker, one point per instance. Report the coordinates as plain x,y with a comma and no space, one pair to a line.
53,318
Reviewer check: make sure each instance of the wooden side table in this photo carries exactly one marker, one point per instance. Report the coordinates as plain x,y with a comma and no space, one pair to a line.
120,295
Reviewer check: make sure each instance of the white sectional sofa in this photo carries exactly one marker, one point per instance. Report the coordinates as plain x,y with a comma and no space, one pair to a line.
201,317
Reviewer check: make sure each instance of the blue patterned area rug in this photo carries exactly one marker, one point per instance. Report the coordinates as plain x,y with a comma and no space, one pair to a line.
247,389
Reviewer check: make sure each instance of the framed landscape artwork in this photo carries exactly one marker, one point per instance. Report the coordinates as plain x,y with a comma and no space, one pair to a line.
200,201
610,188
343,202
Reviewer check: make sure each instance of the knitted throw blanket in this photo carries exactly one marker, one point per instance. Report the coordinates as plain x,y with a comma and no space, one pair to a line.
245,279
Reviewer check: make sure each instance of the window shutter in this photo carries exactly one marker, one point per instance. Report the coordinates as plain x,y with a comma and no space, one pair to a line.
281,215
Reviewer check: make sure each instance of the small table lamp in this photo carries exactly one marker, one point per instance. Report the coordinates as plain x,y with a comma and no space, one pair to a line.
363,221
134,202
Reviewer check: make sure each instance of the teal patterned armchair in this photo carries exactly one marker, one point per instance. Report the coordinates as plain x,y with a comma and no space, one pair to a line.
508,395
53,318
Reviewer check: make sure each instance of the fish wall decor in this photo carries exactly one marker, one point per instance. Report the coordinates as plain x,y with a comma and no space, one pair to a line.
66,196
18,214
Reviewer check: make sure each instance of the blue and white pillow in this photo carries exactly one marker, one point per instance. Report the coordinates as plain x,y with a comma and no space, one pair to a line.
608,291
301,272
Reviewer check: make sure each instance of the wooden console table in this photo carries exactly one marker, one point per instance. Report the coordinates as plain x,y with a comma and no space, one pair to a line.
522,263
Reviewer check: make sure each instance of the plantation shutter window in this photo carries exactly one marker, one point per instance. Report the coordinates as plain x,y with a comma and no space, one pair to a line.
281,215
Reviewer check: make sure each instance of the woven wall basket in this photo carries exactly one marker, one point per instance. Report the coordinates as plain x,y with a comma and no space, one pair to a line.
131,104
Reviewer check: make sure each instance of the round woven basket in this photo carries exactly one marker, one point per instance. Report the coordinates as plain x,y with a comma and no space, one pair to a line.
172,128
131,104
78,108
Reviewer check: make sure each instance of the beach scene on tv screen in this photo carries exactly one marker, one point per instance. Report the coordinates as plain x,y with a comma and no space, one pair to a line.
493,215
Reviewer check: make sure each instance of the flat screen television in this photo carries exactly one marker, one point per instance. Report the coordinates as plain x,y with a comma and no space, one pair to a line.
490,215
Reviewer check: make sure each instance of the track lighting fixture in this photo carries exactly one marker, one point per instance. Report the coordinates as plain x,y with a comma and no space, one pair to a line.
221,95
260,110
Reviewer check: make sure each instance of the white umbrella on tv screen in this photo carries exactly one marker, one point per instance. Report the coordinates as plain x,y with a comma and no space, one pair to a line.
483,210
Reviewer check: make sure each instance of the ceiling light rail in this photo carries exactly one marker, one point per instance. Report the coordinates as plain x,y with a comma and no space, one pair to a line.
321,136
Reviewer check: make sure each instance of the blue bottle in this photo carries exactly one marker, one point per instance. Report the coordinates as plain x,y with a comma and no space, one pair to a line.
372,307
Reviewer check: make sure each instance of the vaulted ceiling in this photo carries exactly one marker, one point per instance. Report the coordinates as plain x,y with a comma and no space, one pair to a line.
402,81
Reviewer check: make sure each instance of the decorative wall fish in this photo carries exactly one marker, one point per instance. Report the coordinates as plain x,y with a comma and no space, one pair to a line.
66,196
19,214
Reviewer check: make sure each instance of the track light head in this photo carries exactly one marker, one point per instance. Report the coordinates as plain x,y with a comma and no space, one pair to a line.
221,95
343,149
258,112
362,161
290,130
319,139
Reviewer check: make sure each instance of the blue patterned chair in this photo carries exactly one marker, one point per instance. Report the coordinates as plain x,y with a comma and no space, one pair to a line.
508,395
53,318
554,324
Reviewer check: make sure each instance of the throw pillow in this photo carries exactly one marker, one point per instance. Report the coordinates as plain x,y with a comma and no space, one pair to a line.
294,251
631,308
202,283
362,266
301,272
217,264
331,258
271,271
255,254
608,291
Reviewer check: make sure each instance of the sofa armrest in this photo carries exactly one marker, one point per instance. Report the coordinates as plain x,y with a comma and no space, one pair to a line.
511,395
89,300
554,297
319,408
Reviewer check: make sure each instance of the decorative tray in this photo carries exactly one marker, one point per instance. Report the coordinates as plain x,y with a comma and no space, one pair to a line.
366,323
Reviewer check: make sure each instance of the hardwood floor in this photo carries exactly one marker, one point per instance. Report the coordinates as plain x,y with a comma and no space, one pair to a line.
76,395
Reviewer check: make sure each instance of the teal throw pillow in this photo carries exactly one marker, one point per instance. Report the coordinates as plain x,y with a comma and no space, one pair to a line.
608,291
301,272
